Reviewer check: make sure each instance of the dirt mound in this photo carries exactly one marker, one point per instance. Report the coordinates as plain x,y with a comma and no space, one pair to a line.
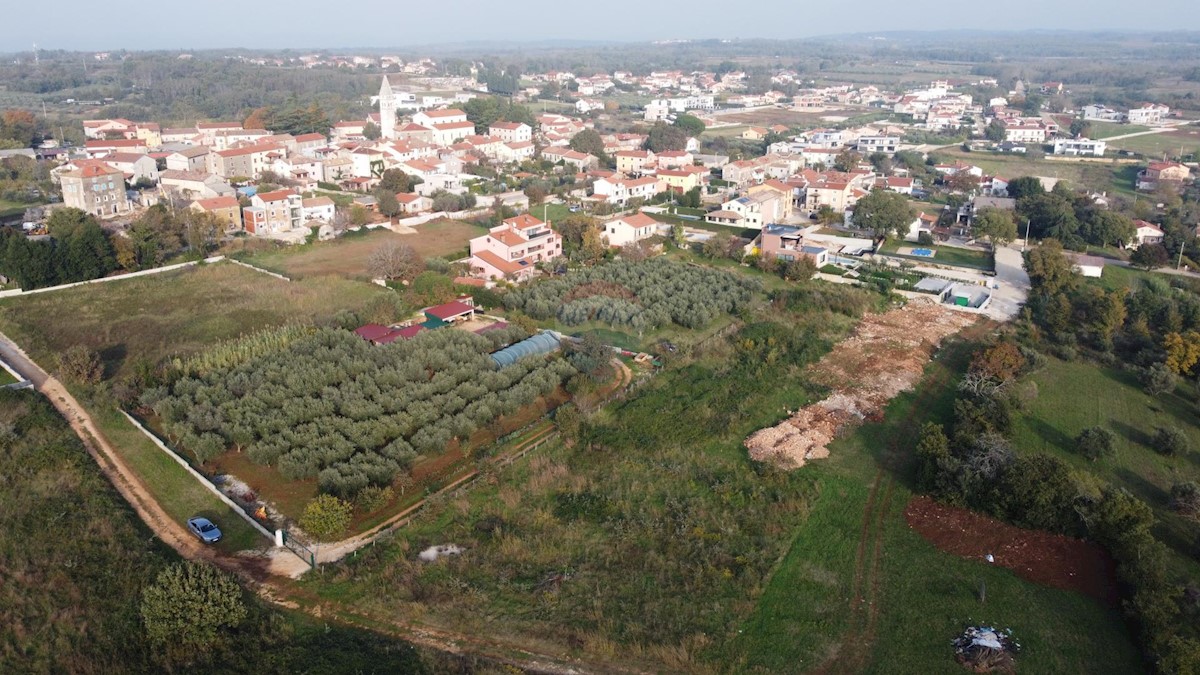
1043,558
886,355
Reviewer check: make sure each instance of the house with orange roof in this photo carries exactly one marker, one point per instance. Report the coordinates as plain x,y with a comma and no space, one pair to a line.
569,157
446,133
620,190
511,132
1162,172
1146,233
512,249
96,188
633,162
629,229
248,162
104,129
273,213
429,118
227,209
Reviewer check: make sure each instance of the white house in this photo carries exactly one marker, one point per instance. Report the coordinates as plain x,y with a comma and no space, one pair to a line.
511,132
317,208
428,118
1082,146
630,229
1146,233
621,190
1149,114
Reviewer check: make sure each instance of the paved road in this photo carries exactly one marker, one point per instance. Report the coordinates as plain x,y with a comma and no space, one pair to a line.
1013,284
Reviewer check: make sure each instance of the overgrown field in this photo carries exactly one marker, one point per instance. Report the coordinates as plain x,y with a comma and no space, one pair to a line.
647,535
1100,176
331,406
347,256
144,320
74,561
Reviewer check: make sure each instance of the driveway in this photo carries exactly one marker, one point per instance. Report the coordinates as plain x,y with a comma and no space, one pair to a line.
1013,284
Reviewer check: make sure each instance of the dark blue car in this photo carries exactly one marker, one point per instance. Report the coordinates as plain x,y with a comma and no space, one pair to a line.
204,528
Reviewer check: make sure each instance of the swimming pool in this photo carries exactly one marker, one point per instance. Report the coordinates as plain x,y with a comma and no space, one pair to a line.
923,252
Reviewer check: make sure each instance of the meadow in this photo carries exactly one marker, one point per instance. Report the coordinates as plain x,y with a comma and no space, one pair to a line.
1099,176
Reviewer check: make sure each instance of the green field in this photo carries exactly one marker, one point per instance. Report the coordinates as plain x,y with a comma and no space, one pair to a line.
6,378
946,255
1073,396
171,314
920,596
1170,143
1100,176
1101,130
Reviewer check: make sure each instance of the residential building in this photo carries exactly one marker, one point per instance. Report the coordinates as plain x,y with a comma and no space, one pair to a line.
513,248
96,188
273,213
429,118
194,158
135,167
872,144
681,180
1162,172
755,133
225,208
1146,233
673,159
1102,113
755,210
1149,114
630,229
579,160
786,243
1024,132
447,133
1081,146
193,185
621,190
634,162
317,208
246,162
511,132
411,203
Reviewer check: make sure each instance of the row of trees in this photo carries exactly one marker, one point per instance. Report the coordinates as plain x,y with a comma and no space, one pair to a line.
330,406
639,295
975,465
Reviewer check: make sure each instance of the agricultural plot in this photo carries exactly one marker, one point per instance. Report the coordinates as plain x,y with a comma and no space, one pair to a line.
329,406
639,297
1093,175
347,256
147,319
1183,142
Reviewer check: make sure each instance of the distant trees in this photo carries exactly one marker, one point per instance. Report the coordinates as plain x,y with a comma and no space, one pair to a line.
691,124
664,136
997,225
395,180
78,250
19,129
588,141
994,131
395,260
371,131
483,111
386,202
1150,256
1080,127
884,212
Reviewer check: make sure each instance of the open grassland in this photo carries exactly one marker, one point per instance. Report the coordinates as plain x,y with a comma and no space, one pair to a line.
347,256
171,314
1074,396
6,377
860,591
1102,130
76,561
1099,176
1169,143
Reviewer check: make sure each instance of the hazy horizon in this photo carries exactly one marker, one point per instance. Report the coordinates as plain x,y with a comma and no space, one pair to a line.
307,24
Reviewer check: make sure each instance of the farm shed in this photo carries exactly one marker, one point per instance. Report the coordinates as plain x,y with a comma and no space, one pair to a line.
542,343
372,332
452,311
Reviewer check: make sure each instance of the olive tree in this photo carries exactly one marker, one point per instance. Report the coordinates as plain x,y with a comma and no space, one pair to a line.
189,609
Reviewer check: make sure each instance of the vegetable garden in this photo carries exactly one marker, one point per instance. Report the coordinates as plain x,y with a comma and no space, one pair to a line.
325,404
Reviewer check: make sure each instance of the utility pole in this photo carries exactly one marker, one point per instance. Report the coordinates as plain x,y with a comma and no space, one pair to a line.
1026,239
1180,260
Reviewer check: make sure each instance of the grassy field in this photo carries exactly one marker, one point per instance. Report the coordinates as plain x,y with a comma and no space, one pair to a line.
1101,130
1169,143
1074,396
76,560
9,209
1101,176
6,378
946,255
920,597
174,313
347,256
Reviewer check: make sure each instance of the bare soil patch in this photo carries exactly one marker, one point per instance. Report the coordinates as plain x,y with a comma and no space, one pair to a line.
1041,557
886,355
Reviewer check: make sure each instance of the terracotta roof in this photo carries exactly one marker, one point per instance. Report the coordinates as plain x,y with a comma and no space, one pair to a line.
725,214
217,203
92,171
505,266
450,310
275,196
523,222
372,331
638,219
449,112
316,201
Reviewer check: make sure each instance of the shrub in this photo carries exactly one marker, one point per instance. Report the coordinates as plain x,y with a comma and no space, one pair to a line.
325,517
80,365
373,498
1171,441
1157,379
189,609
1185,498
1095,442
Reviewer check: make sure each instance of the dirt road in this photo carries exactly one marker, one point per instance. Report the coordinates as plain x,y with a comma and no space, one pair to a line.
173,533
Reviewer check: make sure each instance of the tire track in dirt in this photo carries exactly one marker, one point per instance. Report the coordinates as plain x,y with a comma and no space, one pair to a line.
857,643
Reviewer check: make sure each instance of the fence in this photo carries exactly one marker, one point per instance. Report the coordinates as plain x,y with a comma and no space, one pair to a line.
295,546
258,269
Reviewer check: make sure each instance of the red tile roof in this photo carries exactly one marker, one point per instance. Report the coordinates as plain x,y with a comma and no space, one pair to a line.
450,310
372,332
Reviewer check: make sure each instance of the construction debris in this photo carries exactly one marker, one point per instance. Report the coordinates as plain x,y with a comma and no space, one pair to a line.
886,355
984,649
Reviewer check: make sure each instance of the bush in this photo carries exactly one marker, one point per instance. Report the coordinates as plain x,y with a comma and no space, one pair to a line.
373,498
325,517
1157,379
1171,441
1185,498
189,609
80,365
1095,442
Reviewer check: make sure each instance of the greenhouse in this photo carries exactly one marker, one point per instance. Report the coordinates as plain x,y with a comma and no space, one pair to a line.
542,343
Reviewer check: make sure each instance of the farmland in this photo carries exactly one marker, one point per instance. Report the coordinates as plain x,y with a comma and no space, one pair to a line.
1168,143
347,256
147,319
1105,176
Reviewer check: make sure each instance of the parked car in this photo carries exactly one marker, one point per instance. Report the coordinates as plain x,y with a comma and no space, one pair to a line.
204,529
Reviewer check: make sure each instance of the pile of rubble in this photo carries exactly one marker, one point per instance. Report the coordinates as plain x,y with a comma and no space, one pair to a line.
885,356
984,649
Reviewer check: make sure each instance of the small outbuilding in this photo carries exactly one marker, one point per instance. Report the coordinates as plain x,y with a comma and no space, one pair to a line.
459,310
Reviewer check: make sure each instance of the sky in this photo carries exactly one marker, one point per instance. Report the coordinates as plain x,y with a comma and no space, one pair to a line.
302,24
